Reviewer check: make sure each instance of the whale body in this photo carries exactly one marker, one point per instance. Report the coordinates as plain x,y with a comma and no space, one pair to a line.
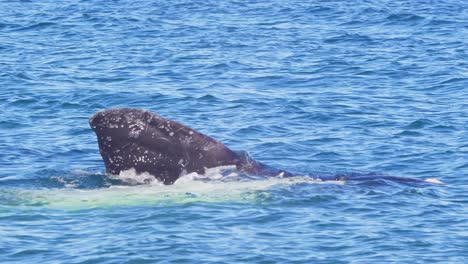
137,139
149,143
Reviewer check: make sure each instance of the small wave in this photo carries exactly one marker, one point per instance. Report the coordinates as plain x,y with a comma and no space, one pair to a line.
349,38
319,9
24,76
55,179
443,128
453,80
11,124
38,26
395,19
251,130
408,133
327,155
209,98
420,123
112,79
218,66
440,22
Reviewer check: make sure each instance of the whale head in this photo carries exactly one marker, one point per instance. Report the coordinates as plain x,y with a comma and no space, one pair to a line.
138,139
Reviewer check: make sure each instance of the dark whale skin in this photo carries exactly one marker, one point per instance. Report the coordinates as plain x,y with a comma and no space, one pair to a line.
133,138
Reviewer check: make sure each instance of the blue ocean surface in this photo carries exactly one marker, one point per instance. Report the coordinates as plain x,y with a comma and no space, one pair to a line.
314,87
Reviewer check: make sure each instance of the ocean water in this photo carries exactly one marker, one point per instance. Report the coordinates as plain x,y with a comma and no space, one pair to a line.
314,87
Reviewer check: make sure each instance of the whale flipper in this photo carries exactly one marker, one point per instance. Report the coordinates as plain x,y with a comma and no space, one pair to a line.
132,138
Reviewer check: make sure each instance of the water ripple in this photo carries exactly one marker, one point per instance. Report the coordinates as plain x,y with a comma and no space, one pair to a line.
320,88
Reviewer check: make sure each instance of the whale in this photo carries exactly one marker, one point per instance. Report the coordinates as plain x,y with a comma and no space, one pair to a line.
136,139
149,143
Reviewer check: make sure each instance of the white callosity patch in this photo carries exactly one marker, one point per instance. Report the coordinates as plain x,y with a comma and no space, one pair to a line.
136,127
186,140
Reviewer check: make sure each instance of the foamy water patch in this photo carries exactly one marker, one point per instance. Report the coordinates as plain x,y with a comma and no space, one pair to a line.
133,178
213,186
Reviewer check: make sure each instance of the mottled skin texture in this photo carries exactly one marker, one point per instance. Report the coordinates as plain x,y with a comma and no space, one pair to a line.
132,138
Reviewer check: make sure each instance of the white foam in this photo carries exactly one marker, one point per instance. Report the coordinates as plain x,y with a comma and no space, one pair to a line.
82,172
66,184
210,174
8,178
221,184
133,178
434,180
